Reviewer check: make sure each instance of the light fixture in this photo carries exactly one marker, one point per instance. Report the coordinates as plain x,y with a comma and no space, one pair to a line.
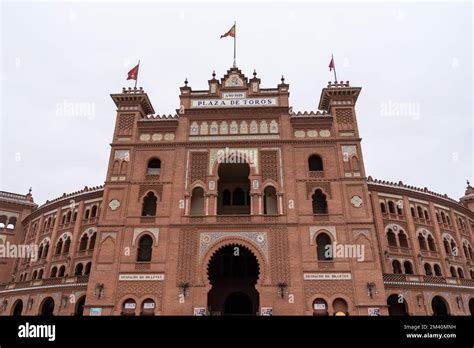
99,290
371,289
29,303
420,300
459,302
183,289
282,289
65,299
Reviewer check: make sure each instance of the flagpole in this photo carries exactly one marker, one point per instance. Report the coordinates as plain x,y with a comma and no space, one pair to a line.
136,80
235,44
334,63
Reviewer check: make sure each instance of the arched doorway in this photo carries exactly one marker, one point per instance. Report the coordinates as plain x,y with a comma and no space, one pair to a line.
238,303
18,308
233,189
233,272
471,306
439,306
80,307
397,305
47,308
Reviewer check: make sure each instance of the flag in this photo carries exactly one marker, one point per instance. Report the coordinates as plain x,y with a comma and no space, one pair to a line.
231,32
133,74
331,64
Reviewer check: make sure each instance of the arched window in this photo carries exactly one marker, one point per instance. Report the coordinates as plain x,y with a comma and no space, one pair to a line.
63,219
145,249
40,251
87,269
399,209
197,201
391,239
61,271
83,242
448,220
408,267
78,269
428,270
238,197
320,307
149,205
340,307
315,163
35,274
437,270
3,221
11,223
74,217
421,242
148,307
320,204
397,267
86,214
94,211
154,167
446,247
270,201
454,248
129,307
453,272
460,273
45,251
67,245
382,207
420,212
431,244
402,239
59,247
54,271
226,197
323,247
92,241
68,217
412,212
40,274
466,252
443,217
427,217
437,217
391,207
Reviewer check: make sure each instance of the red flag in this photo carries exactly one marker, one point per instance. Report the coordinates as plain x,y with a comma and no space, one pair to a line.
331,64
133,74
231,32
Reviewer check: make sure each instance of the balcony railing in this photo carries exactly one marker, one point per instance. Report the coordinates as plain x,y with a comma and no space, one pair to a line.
427,280
84,279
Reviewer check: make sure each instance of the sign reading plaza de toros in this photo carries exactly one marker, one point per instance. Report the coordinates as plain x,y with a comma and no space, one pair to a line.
234,102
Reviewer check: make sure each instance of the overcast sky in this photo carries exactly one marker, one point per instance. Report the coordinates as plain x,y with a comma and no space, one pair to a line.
414,62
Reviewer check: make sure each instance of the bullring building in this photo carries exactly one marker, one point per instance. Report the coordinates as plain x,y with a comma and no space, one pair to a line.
238,205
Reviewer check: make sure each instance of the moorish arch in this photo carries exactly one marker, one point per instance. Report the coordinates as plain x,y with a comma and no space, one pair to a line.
233,271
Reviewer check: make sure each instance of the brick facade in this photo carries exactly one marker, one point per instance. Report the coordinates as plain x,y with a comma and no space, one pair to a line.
174,189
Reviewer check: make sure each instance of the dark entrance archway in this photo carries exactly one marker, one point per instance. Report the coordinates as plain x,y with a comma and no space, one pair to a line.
471,306
238,303
396,305
47,308
80,307
18,308
438,304
233,272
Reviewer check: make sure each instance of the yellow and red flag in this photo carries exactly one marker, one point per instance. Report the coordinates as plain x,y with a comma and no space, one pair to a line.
231,32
